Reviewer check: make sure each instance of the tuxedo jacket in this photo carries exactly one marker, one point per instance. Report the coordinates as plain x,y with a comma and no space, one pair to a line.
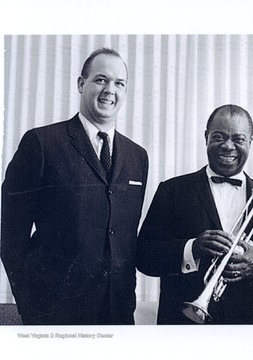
69,236
183,208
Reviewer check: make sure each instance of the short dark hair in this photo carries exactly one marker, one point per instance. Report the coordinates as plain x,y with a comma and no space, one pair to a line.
86,66
231,110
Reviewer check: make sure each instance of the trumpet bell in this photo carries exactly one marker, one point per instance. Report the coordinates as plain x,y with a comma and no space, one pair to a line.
195,312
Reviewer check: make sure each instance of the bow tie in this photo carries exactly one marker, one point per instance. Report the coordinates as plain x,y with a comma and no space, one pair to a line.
221,180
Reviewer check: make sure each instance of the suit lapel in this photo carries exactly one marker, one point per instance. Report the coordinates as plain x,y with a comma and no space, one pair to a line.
82,144
119,156
204,192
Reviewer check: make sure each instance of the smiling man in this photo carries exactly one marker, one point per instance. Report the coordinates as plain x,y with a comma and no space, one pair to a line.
81,185
189,224
103,86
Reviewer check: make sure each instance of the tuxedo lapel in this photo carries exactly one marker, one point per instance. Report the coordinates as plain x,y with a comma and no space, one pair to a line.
249,183
82,144
204,192
249,187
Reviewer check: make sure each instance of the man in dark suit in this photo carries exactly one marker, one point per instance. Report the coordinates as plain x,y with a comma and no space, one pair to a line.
81,185
189,223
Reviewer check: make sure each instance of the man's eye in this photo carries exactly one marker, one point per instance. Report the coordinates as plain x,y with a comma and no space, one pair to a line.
120,84
239,140
218,138
100,81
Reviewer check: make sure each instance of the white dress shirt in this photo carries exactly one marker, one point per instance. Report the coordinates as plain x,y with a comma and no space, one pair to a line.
229,201
92,133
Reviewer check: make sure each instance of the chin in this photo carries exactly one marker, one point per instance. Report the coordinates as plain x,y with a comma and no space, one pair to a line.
227,171
224,171
106,116
231,173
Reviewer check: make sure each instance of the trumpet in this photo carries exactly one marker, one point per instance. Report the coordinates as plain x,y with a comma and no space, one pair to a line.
197,310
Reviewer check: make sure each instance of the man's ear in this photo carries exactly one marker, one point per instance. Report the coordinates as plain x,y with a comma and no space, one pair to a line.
80,83
206,136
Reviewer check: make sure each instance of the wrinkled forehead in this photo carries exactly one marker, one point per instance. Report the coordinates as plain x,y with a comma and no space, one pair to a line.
236,123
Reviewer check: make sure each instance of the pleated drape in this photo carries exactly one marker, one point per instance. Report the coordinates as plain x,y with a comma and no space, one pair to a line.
175,82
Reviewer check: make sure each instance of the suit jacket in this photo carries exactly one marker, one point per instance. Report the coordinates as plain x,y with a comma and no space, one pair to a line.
85,238
182,208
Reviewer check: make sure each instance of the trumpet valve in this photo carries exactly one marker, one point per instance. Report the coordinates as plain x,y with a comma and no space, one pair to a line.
219,289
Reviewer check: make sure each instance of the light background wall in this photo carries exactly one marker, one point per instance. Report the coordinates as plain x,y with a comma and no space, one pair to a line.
175,82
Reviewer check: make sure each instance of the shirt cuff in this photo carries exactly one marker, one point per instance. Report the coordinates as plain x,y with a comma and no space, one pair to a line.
189,264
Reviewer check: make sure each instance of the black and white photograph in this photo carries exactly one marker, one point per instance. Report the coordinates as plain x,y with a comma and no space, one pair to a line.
127,192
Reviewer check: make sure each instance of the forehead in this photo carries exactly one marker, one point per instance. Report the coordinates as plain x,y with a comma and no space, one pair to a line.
236,124
109,65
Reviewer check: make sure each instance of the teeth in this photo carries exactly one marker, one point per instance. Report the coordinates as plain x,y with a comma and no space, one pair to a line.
105,101
227,159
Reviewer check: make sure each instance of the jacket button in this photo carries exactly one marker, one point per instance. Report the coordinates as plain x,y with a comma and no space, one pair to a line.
105,273
111,232
110,191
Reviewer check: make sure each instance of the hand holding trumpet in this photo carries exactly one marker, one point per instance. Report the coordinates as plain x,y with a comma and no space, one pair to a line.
228,265
216,243
240,265
211,243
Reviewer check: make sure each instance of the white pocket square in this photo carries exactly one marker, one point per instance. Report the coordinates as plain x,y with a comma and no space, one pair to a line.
132,182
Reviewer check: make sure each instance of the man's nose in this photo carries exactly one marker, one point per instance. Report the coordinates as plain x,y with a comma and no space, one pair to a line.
228,144
109,88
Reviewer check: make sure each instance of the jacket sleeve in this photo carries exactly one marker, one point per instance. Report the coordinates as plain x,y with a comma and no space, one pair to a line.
159,250
19,190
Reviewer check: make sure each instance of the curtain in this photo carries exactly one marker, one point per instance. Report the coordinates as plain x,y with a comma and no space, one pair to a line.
175,82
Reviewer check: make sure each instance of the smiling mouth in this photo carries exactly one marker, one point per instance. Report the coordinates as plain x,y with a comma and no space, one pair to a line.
106,101
227,159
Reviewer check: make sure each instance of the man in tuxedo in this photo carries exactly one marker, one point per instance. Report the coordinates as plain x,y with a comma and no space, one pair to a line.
189,224
71,203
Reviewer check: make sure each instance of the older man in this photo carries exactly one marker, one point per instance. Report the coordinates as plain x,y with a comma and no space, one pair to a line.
81,184
189,223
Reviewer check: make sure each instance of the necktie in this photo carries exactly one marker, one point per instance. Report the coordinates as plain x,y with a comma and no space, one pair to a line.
105,156
220,180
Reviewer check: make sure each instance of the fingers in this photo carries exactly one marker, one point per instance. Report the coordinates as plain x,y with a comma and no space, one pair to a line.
234,272
244,247
232,276
212,243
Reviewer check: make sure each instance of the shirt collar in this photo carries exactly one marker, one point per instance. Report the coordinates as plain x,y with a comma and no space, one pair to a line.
92,131
239,176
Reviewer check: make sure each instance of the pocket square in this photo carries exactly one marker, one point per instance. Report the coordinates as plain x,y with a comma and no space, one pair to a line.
132,182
